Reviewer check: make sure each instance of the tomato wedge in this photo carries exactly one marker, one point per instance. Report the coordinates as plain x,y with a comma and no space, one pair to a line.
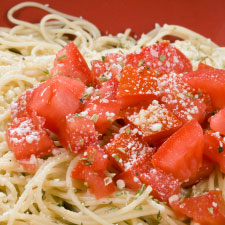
69,62
162,57
217,122
181,154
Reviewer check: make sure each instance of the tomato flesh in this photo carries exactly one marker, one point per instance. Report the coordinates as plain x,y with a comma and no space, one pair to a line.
69,62
217,122
181,154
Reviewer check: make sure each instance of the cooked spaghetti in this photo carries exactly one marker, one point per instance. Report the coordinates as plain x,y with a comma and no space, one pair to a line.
50,196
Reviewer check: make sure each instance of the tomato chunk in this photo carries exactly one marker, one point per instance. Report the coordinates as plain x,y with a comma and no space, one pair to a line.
181,99
210,81
126,147
202,66
142,172
94,159
155,122
206,209
214,148
91,168
19,107
162,57
181,154
137,85
78,134
54,99
217,122
204,171
26,139
70,62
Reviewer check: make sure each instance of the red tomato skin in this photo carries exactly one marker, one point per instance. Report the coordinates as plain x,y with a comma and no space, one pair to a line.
213,141
204,172
217,122
78,134
181,154
202,66
142,172
125,148
97,185
19,107
206,209
70,62
161,57
59,94
210,81
137,85
154,113
25,139
94,159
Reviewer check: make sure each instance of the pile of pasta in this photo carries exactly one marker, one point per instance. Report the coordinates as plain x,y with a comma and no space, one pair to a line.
49,196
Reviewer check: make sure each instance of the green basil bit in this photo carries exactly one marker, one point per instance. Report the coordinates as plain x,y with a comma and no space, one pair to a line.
128,130
159,217
162,58
44,70
15,50
121,150
139,207
140,192
103,58
220,149
62,57
81,141
102,78
86,184
116,157
141,62
76,115
210,211
94,118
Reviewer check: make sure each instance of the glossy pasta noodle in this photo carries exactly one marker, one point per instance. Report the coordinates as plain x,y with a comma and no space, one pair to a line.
50,196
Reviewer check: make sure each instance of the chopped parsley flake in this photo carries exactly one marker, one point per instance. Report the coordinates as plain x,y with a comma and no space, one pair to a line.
61,57
102,78
121,150
159,217
15,50
220,149
44,70
210,210
140,192
139,207
86,184
116,157
103,58
141,62
94,118
128,131
81,141
162,58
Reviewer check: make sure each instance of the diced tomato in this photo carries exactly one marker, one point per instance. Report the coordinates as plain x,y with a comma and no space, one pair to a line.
19,107
25,139
54,99
70,62
91,168
181,154
98,185
210,81
161,57
94,159
202,66
142,171
78,133
114,58
137,85
98,69
181,99
126,147
30,165
102,112
217,122
204,171
206,209
155,122
214,148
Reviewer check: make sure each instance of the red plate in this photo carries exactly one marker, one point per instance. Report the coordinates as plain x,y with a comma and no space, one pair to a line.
204,16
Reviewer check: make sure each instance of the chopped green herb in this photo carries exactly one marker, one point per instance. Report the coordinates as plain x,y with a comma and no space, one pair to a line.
103,58
86,184
121,63
110,120
116,157
44,70
76,115
107,181
81,100
61,57
182,199
94,118
140,192
118,194
86,95
159,217
112,209
220,149
81,141
213,113
102,78
15,50
147,67
67,75
128,130
162,58
139,207
121,150
77,78
141,62
137,174
210,210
